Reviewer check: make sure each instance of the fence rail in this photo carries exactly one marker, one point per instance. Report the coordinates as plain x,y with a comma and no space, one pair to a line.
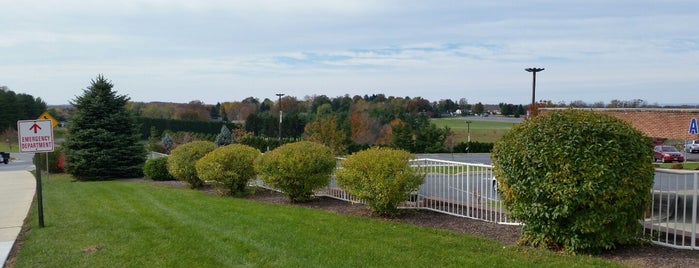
671,219
454,188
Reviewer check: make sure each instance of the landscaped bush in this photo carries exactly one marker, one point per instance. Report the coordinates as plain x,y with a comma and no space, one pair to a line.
156,169
578,180
231,166
297,169
55,160
181,161
382,177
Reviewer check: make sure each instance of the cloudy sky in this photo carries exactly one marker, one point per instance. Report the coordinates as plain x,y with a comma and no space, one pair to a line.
226,50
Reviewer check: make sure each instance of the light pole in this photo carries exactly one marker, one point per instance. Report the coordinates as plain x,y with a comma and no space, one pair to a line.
280,115
533,71
468,125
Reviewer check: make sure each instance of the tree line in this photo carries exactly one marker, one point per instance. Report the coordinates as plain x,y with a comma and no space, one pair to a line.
18,106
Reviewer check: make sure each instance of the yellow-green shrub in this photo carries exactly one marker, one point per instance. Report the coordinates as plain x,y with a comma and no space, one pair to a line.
231,166
382,177
297,169
181,161
156,169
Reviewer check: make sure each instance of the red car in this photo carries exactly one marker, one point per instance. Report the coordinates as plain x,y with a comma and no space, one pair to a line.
666,153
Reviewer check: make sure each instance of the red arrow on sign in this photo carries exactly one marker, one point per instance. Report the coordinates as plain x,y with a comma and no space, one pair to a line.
35,127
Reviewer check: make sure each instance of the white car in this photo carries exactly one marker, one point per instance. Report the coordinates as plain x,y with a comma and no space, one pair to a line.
691,146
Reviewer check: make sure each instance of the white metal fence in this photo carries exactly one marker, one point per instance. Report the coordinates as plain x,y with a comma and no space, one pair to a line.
454,188
671,219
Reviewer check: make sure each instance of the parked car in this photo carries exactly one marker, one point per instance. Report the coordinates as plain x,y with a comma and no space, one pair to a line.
667,153
691,146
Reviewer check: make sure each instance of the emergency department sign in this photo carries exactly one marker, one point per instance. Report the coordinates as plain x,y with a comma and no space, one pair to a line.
35,136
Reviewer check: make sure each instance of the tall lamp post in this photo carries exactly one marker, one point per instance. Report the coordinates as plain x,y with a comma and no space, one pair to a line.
468,125
280,115
533,71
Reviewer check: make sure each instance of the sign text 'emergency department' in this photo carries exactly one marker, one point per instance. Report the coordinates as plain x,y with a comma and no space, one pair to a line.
35,136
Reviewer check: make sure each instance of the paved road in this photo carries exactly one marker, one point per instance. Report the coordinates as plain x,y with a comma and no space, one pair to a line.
480,158
19,162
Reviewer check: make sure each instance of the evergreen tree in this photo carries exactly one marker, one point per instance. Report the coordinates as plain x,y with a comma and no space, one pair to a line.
167,143
224,137
104,139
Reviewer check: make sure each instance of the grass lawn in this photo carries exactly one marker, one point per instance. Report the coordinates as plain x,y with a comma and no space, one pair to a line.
128,224
481,131
688,165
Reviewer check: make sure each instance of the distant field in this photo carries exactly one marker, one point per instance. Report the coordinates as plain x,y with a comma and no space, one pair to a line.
481,130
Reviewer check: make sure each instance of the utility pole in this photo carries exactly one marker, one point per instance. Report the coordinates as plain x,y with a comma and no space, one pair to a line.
280,115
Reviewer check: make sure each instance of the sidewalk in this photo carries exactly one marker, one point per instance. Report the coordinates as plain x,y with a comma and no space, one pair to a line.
17,190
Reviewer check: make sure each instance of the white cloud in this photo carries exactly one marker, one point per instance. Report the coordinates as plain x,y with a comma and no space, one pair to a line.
436,49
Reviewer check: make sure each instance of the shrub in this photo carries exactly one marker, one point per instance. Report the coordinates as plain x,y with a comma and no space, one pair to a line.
156,169
181,161
55,160
382,177
578,180
297,169
231,166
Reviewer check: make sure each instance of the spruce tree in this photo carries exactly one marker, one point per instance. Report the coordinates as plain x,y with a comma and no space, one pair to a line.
104,141
224,138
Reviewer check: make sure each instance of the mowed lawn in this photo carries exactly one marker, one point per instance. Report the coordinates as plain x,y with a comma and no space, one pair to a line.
481,131
132,224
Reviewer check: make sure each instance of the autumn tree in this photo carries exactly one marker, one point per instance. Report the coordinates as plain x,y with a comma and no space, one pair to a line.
324,130
104,139
478,108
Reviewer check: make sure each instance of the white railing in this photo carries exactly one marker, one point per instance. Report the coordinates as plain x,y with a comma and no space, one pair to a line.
152,155
671,219
454,188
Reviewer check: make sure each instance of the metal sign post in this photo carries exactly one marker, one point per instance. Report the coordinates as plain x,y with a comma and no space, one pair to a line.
36,136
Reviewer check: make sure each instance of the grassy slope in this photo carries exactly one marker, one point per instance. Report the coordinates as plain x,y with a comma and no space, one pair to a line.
481,131
126,224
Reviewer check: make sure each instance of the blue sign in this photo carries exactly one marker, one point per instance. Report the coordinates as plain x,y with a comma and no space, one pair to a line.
693,126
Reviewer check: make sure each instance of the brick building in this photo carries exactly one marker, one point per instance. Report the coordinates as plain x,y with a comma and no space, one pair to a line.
657,123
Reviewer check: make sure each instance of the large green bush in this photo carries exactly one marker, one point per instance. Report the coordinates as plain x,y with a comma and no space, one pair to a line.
231,166
181,161
382,177
578,180
156,169
297,169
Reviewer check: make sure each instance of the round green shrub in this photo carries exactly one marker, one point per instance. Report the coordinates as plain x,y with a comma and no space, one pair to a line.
181,161
578,180
382,177
297,169
231,166
156,169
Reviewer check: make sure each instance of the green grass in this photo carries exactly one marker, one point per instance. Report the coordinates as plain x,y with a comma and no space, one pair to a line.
688,165
481,131
128,224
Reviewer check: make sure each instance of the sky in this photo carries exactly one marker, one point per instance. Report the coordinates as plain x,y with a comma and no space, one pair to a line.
226,50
